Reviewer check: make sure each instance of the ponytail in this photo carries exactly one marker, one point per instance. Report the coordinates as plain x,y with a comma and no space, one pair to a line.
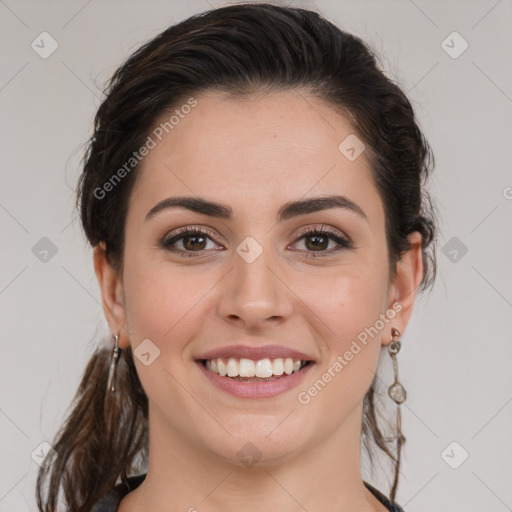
101,438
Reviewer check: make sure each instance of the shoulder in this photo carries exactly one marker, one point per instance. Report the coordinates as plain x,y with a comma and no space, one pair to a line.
392,507
110,502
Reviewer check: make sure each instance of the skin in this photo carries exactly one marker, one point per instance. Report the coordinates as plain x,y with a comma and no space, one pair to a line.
270,150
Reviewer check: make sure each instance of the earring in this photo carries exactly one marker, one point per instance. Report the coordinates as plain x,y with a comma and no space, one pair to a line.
397,392
113,365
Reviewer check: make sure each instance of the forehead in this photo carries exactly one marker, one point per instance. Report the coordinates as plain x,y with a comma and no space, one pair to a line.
258,149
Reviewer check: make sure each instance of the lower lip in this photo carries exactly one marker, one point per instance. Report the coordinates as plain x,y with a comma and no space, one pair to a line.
264,389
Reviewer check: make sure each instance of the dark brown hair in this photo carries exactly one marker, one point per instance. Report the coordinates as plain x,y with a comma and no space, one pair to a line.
241,50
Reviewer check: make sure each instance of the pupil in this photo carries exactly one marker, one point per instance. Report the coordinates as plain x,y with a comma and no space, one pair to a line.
316,238
192,246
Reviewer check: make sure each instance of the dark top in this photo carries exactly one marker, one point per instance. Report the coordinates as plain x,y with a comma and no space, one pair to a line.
110,502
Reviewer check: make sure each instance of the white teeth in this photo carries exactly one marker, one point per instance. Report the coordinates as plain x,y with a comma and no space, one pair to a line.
232,367
278,367
288,366
221,368
246,368
264,368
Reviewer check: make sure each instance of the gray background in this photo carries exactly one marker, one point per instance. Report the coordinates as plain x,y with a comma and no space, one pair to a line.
455,362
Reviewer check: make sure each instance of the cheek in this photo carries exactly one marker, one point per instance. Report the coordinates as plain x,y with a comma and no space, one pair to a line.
147,304
346,301
349,307
348,304
165,303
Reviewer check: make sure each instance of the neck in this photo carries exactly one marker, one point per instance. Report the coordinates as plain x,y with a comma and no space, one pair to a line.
182,475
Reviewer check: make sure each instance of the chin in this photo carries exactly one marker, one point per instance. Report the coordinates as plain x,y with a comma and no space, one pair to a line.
257,447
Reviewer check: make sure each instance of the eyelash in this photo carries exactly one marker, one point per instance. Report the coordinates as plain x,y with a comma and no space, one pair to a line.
322,230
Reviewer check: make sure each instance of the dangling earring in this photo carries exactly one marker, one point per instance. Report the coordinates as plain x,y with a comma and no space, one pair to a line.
397,392
113,365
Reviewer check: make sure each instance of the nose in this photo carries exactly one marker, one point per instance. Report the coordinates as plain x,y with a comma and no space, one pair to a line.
255,295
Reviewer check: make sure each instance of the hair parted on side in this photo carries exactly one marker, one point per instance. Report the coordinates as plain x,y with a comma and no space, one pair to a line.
241,50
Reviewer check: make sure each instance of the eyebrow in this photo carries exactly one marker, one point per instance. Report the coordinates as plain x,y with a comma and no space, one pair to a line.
287,211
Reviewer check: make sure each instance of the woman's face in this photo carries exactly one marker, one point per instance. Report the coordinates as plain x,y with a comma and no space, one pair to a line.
250,279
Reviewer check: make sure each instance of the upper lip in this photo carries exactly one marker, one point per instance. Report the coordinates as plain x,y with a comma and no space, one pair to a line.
256,353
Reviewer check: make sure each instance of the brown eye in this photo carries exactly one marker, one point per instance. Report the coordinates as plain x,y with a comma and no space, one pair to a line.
317,240
194,242
191,241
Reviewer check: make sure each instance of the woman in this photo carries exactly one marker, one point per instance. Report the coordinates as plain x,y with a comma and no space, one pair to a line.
254,193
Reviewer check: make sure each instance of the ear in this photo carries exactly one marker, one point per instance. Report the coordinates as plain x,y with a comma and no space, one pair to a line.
111,287
403,289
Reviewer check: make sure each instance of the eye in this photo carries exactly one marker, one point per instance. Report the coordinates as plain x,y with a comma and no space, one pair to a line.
317,239
192,240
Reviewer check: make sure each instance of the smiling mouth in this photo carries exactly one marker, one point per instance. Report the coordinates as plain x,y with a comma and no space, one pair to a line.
248,370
